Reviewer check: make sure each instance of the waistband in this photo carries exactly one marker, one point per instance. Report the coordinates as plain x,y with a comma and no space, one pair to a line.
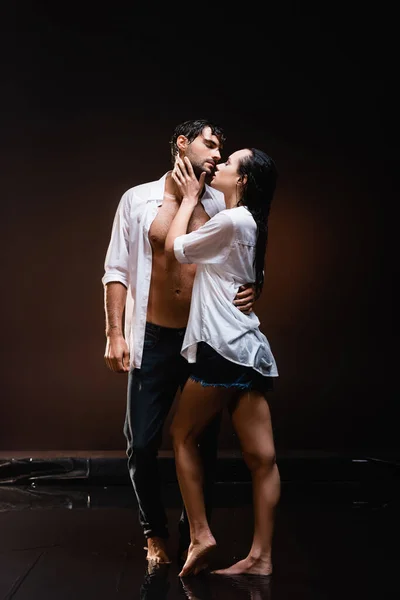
161,329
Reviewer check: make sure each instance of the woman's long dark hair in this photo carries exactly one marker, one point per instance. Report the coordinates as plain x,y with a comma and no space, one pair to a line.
257,196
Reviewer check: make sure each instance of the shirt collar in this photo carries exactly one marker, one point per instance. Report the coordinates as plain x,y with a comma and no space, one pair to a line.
157,190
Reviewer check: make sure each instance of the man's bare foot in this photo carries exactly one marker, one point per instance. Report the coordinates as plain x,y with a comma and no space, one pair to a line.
157,550
196,557
248,566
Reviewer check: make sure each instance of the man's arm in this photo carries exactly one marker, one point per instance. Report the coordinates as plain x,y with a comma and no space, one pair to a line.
117,352
115,282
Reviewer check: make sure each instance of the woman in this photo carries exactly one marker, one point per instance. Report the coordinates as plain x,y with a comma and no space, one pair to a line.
232,363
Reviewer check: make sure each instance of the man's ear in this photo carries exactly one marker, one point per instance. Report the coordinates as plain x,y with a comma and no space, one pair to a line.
182,142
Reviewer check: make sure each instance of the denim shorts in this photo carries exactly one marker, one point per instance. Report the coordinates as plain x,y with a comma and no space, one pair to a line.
213,369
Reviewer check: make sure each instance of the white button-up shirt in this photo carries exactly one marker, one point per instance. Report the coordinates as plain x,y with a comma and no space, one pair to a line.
224,250
129,255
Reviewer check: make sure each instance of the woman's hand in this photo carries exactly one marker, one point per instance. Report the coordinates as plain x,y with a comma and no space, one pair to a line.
189,186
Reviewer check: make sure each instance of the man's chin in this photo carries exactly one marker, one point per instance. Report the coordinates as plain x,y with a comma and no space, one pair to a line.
209,177
210,174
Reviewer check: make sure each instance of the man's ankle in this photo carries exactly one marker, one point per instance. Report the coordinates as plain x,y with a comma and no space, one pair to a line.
157,550
157,540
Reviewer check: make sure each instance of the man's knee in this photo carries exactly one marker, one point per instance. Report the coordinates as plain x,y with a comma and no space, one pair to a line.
142,448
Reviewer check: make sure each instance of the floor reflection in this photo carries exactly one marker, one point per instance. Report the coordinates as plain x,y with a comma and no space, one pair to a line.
80,542
205,586
208,586
156,584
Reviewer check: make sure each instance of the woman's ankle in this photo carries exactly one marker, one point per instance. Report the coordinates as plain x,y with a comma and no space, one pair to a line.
200,535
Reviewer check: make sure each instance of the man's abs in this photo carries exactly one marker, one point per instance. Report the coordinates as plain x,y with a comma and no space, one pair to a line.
170,293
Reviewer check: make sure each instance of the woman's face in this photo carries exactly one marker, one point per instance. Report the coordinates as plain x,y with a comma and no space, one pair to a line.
226,175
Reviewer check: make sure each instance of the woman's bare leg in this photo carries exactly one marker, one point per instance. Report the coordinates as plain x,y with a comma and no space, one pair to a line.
196,407
251,419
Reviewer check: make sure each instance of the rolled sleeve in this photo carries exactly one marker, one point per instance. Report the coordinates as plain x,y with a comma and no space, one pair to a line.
113,275
116,264
178,249
210,244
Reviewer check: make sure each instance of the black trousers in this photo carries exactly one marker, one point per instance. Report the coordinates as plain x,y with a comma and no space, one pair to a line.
151,392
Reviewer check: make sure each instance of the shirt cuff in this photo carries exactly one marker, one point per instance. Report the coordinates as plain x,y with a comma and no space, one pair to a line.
178,250
110,277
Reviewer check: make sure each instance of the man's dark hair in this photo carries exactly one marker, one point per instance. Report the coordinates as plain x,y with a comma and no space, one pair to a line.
191,129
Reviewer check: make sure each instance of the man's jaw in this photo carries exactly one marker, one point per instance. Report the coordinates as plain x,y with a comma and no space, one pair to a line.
209,176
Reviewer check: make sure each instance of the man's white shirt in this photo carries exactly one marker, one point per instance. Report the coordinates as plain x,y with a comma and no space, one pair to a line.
129,254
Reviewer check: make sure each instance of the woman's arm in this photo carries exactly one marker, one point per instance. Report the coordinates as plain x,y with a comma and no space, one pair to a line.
211,243
190,188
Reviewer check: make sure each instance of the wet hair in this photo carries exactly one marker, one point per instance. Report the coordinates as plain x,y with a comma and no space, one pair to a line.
257,196
192,129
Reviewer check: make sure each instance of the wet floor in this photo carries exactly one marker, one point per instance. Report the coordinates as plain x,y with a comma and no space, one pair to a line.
73,541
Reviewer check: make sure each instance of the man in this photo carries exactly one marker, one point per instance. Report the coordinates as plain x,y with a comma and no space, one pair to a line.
147,307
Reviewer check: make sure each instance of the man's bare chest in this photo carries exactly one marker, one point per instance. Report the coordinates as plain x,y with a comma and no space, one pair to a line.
163,219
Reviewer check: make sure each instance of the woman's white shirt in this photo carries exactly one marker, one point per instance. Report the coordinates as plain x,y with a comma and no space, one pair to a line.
224,250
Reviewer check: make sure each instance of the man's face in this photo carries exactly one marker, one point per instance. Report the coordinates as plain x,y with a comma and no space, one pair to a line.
204,153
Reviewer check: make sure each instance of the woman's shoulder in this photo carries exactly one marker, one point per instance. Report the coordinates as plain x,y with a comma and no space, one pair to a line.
237,213
244,225
238,219
241,216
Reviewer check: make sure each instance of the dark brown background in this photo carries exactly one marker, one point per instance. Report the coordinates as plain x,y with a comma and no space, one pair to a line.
88,106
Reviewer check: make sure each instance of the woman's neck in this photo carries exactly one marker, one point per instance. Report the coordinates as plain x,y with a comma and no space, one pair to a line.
231,201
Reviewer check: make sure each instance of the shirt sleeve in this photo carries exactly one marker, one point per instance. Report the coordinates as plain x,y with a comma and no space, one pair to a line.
116,264
210,244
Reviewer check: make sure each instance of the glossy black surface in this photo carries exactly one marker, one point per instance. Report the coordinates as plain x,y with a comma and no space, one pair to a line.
72,540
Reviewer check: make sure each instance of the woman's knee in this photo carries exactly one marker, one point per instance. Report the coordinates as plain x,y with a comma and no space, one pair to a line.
260,459
178,434
174,433
181,435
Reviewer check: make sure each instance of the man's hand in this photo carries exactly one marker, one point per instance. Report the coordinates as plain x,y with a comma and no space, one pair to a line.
245,298
117,354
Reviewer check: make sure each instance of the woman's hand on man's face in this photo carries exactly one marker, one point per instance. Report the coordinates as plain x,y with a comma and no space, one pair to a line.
189,186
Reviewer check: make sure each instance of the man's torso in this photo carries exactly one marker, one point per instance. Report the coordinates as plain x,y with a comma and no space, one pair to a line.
170,287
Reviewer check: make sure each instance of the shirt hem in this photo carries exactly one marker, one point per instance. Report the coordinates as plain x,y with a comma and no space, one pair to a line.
237,362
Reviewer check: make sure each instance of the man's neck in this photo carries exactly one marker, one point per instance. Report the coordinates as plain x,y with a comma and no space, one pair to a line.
172,192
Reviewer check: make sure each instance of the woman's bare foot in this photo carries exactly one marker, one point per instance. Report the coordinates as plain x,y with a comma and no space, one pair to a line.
157,550
248,566
196,557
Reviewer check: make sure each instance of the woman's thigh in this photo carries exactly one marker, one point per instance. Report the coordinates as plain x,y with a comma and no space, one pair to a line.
251,419
196,407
